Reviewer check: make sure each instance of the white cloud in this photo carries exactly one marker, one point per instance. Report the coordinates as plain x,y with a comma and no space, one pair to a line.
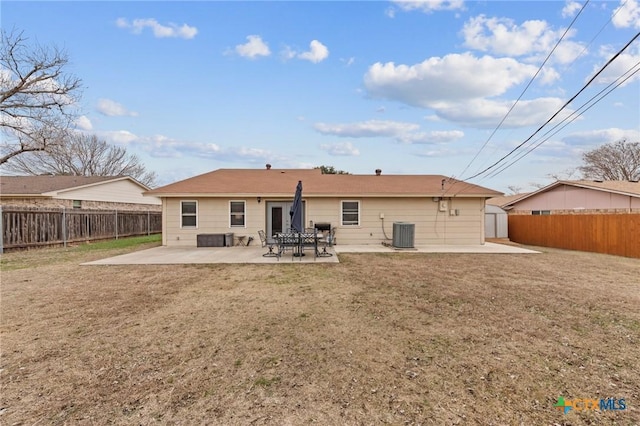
83,123
428,6
159,31
340,149
627,61
487,113
348,61
443,151
601,136
365,129
432,137
408,133
253,153
160,146
460,88
122,137
288,53
455,77
502,36
317,52
113,109
570,9
253,48
627,14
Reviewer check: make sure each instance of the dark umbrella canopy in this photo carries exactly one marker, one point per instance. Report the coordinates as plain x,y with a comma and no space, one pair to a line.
296,209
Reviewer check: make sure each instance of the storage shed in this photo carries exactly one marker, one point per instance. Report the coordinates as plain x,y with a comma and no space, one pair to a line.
495,222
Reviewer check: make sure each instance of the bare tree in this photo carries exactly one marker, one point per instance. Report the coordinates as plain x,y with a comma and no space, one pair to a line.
537,185
514,189
565,174
82,155
613,161
37,96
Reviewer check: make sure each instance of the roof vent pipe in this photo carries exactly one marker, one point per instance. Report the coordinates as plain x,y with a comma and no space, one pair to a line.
268,166
378,172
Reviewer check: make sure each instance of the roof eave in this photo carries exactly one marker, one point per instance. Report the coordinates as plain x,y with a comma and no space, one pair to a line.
311,195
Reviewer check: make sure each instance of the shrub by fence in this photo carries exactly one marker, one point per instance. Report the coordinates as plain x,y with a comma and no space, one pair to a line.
617,234
24,228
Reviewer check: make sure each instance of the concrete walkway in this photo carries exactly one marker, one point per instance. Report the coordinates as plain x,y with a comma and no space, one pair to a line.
207,255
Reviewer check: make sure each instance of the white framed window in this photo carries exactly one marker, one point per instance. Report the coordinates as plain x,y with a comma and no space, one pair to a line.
350,213
237,213
188,214
540,212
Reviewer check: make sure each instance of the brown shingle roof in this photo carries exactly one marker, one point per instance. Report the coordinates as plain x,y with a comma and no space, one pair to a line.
505,199
620,186
38,185
631,189
282,182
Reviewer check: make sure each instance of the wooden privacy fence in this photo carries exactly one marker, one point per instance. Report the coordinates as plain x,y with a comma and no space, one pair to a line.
24,228
617,234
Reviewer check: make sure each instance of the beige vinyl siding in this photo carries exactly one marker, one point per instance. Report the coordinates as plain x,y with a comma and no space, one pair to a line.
122,191
213,218
431,225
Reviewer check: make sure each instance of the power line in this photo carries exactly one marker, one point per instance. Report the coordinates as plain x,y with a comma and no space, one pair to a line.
526,87
559,111
574,115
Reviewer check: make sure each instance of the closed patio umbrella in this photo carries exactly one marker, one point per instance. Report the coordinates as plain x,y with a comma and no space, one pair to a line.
296,209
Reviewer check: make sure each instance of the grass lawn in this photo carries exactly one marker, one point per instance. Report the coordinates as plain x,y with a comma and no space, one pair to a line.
378,339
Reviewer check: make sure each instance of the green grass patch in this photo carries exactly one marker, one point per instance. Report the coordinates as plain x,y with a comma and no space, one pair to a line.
120,243
79,252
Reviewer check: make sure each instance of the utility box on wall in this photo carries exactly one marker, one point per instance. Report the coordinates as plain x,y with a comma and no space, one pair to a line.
403,234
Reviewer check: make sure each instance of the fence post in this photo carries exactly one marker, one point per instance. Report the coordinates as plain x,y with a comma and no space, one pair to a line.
116,224
1,233
148,223
64,226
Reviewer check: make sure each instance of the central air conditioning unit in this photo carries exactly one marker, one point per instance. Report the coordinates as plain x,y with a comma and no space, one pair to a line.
403,234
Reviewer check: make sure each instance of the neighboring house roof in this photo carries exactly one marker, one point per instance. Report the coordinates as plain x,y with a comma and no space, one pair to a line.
505,200
282,182
50,186
628,188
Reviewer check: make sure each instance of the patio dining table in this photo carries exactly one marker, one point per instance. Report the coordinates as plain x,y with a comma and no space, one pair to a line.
297,242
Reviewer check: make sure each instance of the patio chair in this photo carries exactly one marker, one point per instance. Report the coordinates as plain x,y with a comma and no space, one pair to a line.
329,240
267,242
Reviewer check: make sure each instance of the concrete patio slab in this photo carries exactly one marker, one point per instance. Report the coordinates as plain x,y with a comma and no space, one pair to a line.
209,255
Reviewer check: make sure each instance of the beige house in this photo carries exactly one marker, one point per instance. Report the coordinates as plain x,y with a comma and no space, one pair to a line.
577,197
77,192
362,208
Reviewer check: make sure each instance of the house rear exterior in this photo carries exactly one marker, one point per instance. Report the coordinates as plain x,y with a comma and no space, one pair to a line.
361,208
596,216
579,196
76,192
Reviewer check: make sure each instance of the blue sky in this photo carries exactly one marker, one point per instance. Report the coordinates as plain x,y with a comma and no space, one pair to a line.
407,87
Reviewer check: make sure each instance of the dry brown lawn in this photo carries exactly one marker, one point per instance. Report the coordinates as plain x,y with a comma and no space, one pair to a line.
377,339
